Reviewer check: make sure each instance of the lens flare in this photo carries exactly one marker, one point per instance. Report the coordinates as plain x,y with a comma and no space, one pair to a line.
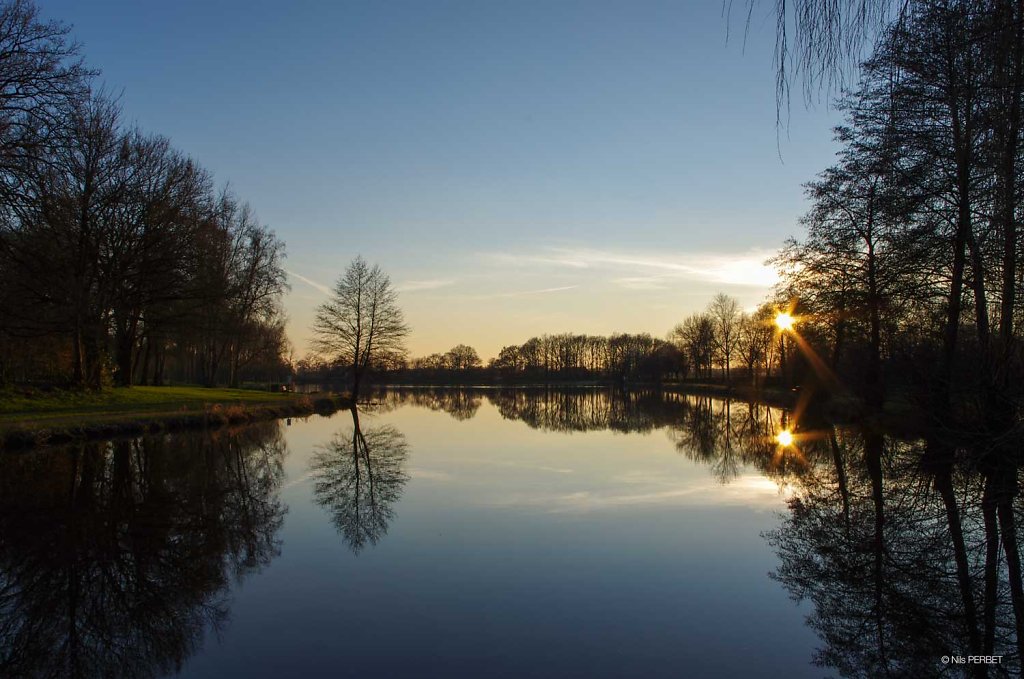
784,321
784,438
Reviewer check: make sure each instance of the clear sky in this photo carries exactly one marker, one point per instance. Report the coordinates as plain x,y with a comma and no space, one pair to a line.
517,167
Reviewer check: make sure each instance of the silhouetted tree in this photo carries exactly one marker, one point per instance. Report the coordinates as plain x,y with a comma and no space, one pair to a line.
116,259
361,321
695,336
462,357
725,313
755,341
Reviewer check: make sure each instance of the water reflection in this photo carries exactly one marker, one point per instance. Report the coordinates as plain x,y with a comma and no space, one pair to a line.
726,435
358,477
555,410
461,404
116,558
897,544
729,435
908,550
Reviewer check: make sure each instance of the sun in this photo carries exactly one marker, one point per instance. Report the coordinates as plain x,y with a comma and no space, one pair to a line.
784,438
784,321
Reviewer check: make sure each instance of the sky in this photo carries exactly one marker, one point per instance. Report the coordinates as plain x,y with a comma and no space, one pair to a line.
516,167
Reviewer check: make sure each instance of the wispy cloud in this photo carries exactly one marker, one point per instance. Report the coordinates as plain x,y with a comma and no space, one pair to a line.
749,490
432,474
413,286
526,465
542,291
407,286
653,271
643,282
511,294
311,283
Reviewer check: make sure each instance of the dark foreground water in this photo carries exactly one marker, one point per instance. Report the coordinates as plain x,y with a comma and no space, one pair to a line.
500,534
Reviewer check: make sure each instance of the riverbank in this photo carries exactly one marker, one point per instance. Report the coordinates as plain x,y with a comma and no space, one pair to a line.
900,416
34,418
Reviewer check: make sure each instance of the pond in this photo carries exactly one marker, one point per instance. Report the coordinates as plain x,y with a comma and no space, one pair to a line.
499,533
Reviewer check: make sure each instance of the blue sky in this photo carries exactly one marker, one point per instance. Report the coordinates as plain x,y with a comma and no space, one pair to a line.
517,167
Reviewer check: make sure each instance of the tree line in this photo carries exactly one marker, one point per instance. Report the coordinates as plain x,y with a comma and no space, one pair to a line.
906,278
360,330
720,344
120,260
563,357
908,274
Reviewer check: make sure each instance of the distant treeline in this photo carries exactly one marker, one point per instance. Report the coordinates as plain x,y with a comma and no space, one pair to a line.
550,358
119,258
563,357
719,344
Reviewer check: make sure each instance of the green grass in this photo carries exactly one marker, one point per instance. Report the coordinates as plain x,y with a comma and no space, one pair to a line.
20,407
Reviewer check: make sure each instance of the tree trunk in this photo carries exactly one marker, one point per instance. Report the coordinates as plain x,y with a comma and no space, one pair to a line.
873,445
1008,529
875,389
77,368
144,368
988,508
939,457
356,377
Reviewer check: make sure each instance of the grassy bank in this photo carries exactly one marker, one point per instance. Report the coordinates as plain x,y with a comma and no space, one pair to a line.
29,418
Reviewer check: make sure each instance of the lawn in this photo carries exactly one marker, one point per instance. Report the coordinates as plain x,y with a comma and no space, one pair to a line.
61,407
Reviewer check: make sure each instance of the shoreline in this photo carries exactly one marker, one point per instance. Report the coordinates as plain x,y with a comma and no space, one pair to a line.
898,418
36,430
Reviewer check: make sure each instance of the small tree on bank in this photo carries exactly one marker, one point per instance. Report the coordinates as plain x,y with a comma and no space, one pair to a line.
361,322
725,315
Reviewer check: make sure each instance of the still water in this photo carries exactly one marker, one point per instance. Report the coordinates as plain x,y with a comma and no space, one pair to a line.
517,533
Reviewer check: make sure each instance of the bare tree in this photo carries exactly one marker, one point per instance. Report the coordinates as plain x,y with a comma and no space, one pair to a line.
40,73
361,321
725,312
754,340
695,338
58,226
114,250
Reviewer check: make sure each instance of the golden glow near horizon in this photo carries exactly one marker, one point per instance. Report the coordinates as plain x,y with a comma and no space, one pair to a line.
784,321
501,297
784,438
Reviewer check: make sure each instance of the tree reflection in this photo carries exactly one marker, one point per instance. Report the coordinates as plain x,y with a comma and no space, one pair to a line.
461,404
568,410
895,544
907,550
729,436
547,409
116,558
359,476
